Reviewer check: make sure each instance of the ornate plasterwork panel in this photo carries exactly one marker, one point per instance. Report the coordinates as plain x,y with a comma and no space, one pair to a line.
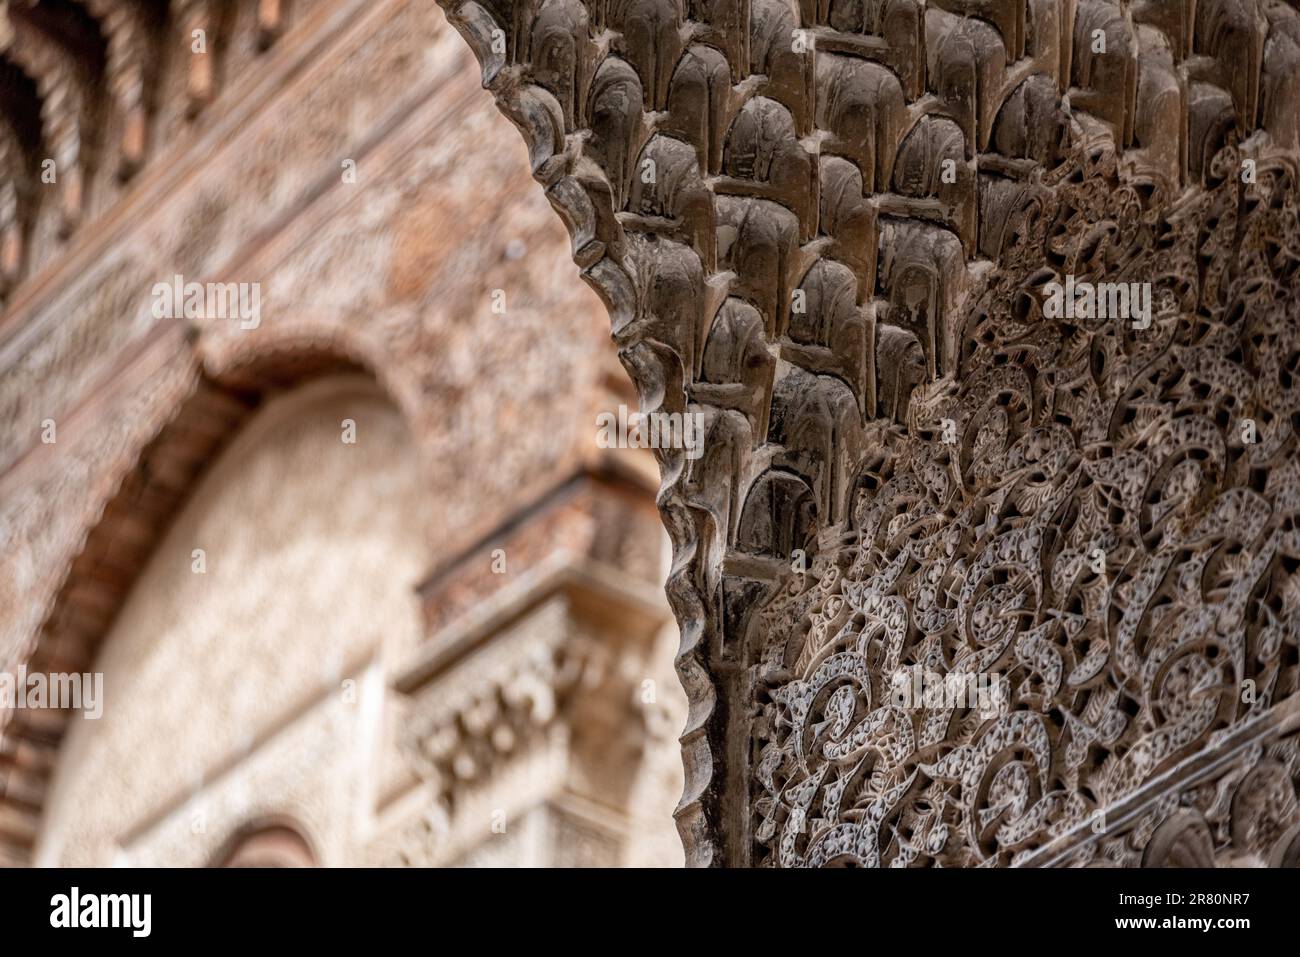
834,229
1097,532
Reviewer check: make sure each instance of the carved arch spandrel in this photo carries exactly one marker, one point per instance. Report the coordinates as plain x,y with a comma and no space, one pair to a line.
912,176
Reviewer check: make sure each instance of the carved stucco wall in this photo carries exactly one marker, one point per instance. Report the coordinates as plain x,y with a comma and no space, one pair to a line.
912,174
828,226
388,271
394,273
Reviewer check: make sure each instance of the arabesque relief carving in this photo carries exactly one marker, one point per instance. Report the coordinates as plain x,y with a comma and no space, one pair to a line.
990,308
837,229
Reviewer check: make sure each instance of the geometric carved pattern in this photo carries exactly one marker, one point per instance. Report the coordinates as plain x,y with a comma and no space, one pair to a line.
828,225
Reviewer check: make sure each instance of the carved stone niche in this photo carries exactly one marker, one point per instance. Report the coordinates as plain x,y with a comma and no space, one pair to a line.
840,232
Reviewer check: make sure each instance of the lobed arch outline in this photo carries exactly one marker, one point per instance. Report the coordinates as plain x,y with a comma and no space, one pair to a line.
753,182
